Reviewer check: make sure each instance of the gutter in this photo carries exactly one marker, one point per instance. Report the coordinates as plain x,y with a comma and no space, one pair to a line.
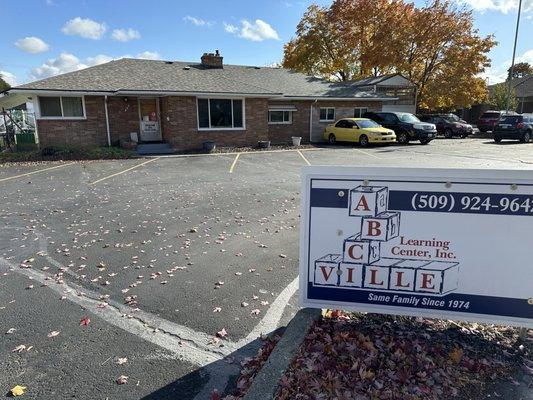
122,92
270,96
314,98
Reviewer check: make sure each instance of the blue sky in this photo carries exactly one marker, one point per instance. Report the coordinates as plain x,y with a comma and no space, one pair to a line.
46,37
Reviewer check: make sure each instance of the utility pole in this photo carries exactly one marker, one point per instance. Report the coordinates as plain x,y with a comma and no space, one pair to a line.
509,87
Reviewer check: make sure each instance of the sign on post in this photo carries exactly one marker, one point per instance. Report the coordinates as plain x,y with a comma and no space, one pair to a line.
454,244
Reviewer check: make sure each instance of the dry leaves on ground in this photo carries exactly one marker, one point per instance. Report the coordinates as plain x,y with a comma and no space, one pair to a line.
351,356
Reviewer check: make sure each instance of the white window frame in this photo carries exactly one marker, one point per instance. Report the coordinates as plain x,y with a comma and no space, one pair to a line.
209,114
360,113
280,122
326,108
38,108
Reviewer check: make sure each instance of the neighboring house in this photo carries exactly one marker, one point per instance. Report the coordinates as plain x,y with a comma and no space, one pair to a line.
185,104
523,88
393,85
524,94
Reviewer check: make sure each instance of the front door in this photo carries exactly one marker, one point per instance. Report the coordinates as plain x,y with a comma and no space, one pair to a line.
150,126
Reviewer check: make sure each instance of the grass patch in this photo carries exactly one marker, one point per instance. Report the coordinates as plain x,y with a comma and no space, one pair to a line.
67,153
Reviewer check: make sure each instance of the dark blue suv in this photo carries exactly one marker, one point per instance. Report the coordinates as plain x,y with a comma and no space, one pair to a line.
517,127
406,126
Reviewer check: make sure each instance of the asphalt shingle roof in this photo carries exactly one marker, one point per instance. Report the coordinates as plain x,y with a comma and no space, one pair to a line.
129,74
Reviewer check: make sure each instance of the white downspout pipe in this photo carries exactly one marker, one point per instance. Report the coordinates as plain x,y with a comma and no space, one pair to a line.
107,122
311,121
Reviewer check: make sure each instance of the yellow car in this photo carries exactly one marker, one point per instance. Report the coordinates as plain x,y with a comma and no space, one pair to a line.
360,130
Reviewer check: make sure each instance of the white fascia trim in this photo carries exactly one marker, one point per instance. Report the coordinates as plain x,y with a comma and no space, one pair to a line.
335,98
206,95
64,93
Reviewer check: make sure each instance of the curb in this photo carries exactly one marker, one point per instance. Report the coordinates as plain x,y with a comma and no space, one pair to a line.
266,382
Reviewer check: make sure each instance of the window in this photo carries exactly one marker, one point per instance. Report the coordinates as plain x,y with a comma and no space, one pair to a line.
220,114
389,118
61,107
280,117
367,123
327,114
359,111
341,124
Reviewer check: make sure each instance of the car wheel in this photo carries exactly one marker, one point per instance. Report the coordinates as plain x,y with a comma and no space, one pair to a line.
403,138
526,138
332,139
448,134
497,139
424,141
363,141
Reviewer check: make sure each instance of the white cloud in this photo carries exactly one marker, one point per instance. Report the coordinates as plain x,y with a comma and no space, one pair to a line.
198,21
149,55
257,31
231,28
32,44
497,74
9,78
125,35
503,6
66,62
85,27
99,59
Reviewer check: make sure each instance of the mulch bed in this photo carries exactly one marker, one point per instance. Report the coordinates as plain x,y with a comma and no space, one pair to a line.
350,356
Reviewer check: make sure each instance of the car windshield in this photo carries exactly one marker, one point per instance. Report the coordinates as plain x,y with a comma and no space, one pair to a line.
408,118
511,119
367,123
452,118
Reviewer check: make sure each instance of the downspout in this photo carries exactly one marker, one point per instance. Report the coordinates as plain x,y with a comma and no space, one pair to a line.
107,122
311,121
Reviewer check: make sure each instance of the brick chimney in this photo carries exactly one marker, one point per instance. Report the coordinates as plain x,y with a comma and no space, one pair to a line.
210,60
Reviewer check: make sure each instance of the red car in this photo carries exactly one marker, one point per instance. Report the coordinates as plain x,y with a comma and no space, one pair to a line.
489,119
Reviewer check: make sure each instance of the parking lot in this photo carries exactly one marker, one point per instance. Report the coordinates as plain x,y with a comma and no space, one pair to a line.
162,255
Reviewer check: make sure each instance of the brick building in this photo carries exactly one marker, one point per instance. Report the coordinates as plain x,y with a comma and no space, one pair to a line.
185,104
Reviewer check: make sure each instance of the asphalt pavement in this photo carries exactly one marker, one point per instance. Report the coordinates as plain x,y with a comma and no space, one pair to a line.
179,262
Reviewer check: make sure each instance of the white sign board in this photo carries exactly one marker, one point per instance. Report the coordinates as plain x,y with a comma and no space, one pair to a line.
454,244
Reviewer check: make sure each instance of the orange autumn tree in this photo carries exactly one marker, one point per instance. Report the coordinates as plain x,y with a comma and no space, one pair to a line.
436,46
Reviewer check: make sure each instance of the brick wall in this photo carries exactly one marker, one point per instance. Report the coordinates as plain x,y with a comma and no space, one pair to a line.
89,132
343,109
180,127
123,118
281,133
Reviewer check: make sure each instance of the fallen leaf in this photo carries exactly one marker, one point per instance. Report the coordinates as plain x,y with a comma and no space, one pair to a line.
456,355
10,331
122,379
217,309
85,321
19,349
122,360
18,390
255,311
53,334
215,395
222,333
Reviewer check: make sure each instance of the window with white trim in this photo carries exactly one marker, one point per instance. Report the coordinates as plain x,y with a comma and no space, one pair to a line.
280,117
327,114
220,114
359,111
61,107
